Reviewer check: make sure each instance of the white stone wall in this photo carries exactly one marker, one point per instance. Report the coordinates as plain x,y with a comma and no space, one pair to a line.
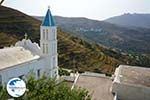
130,92
26,69
48,38
52,32
27,44
127,91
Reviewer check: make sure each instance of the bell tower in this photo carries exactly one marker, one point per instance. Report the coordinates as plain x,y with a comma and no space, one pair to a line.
48,40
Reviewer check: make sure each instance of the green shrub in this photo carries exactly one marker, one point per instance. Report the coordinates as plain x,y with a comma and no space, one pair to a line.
48,89
63,72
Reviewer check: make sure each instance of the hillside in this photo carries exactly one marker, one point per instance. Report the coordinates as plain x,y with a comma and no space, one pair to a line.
131,20
13,25
128,40
80,55
74,53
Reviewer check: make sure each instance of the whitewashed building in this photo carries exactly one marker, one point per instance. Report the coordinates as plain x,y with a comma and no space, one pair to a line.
131,83
27,57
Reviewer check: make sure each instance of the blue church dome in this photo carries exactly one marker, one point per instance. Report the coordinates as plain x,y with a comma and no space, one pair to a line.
48,20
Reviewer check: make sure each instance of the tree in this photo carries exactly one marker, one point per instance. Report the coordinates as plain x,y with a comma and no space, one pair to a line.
63,72
49,89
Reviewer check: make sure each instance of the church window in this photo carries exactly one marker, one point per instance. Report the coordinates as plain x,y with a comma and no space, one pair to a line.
46,30
47,48
44,34
54,32
54,48
53,62
47,36
38,73
43,48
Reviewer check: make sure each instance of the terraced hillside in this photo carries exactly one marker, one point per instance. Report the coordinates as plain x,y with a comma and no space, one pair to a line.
131,40
74,53
77,54
13,25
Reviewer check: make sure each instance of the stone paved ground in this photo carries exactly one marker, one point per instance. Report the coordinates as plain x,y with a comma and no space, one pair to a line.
99,86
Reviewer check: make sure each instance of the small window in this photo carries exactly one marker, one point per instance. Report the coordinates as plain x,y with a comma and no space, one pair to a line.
53,34
47,48
47,36
53,48
38,73
46,30
43,48
43,34
54,62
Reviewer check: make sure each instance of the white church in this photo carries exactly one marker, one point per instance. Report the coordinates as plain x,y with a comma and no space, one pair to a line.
29,58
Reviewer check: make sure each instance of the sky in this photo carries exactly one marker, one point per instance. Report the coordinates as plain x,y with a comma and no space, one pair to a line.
93,9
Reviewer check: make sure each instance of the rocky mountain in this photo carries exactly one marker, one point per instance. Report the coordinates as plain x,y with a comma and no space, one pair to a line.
131,20
133,40
74,53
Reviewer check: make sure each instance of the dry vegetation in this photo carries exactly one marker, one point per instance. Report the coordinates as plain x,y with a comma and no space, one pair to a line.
74,53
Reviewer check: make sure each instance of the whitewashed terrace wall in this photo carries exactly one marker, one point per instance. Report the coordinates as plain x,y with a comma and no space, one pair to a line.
26,69
131,92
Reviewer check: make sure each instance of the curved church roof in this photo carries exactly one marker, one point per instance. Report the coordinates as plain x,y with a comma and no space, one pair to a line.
48,20
15,55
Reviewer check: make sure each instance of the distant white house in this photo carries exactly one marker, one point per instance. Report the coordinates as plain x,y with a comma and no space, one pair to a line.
131,83
27,57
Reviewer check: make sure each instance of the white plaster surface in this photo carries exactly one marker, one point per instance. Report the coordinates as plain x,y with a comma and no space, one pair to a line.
15,55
